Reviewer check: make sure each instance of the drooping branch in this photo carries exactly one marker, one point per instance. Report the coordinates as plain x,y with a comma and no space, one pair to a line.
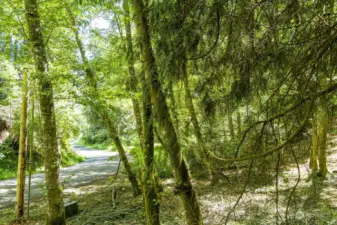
276,149
215,42
283,113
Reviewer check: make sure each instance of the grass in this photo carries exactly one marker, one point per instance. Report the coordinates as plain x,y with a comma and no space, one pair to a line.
68,160
71,158
11,173
6,174
99,146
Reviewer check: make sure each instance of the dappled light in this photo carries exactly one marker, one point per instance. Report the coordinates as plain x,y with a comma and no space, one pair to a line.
168,112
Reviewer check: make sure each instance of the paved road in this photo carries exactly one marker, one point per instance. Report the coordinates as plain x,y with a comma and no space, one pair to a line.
95,167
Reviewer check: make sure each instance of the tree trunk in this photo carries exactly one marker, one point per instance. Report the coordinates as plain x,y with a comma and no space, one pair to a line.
203,152
149,185
56,214
31,147
20,187
183,183
323,123
230,123
147,141
238,122
118,144
314,148
132,84
100,107
173,107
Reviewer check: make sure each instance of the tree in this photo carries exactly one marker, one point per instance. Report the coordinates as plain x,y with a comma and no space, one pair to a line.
150,194
97,103
56,214
132,82
20,188
323,124
183,183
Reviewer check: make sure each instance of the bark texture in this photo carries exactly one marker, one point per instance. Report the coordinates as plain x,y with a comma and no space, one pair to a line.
20,187
56,214
132,84
149,183
183,183
145,130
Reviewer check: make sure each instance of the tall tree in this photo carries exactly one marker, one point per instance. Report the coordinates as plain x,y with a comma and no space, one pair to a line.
203,151
20,188
56,213
132,83
31,147
149,185
183,183
100,107
150,194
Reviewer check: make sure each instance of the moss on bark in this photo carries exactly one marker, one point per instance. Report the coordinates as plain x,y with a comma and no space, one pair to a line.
56,214
183,183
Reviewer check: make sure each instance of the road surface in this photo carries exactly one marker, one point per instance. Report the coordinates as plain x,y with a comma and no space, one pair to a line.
95,167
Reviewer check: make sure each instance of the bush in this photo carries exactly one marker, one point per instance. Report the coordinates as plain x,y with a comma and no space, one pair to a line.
161,161
9,158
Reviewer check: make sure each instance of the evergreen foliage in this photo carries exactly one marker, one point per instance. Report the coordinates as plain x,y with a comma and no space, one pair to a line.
186,88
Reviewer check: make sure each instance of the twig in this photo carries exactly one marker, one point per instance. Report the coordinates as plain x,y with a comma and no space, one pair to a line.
276,149
226,218
248,176
215,42
116,174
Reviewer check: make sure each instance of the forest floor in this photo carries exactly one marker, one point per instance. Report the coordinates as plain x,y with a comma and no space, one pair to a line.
312,201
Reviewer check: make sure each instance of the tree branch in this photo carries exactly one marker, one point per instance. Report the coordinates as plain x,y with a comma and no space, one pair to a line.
257,156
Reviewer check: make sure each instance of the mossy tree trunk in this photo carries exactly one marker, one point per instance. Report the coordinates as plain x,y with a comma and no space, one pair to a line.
183,183
56,214
173,106
323,109
132,83
100,107
20,187
149,185
118,144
